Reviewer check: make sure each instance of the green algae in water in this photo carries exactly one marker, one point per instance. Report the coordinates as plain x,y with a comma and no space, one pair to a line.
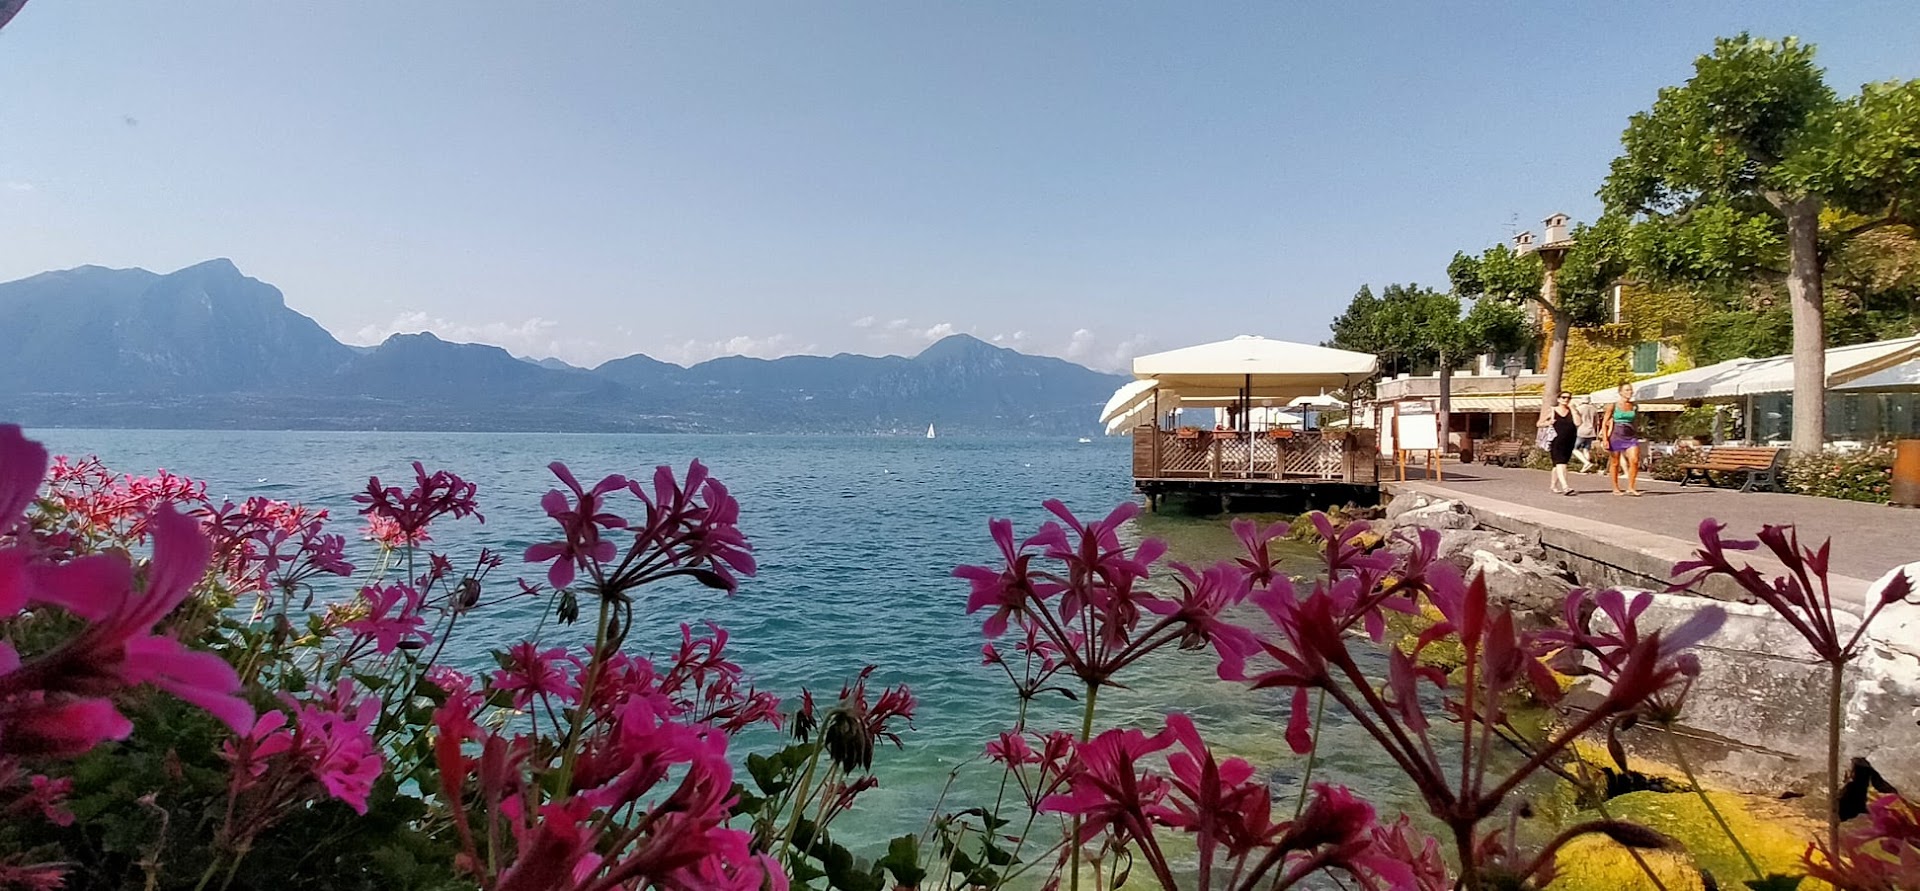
1776,837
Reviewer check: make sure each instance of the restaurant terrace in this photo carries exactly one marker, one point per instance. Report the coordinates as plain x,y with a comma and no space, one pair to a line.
1244,444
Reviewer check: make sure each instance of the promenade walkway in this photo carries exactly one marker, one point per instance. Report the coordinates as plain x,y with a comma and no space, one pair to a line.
1663,525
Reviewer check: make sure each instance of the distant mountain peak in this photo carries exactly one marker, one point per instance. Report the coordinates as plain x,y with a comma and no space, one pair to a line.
226,350
215,265
960,346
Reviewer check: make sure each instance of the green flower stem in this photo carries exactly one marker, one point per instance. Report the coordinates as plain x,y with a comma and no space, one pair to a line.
1833,757
1313,752
1073,841
1645,867
800,795
570,751
1680,757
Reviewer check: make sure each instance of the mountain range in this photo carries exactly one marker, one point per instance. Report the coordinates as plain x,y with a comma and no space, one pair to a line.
207,346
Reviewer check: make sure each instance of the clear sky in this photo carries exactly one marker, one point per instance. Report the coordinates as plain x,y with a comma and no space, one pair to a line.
588,180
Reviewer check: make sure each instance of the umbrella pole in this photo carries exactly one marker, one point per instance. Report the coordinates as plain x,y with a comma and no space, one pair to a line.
1246,423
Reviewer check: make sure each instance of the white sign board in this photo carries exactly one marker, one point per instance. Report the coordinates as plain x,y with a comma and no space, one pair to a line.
1416,431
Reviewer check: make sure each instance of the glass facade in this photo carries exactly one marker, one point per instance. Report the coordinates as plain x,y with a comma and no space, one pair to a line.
1857,417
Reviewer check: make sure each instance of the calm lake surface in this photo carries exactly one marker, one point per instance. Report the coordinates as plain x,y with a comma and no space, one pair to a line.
856,539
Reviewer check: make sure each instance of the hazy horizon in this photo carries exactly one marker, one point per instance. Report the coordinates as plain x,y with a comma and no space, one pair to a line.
593,180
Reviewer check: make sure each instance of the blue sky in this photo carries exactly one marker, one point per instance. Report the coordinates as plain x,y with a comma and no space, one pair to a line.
589,180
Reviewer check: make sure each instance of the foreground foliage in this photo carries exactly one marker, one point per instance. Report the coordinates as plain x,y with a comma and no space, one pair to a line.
207,715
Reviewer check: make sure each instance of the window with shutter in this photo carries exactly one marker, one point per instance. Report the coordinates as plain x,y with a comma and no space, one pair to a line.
1646,358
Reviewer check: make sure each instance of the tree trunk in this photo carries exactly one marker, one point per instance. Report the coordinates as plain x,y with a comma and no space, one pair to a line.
1804,292
1562,328
1446,399
1556,357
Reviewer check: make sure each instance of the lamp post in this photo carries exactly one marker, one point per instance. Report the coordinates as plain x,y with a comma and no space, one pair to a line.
1512,368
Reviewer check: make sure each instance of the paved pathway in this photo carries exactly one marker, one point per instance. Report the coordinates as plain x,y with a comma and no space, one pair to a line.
1868,539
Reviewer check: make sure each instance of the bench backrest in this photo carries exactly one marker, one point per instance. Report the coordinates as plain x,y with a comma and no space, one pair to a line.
1744,456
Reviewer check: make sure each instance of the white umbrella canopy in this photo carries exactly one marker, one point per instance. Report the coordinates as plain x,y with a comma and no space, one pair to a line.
1275,368
1125,399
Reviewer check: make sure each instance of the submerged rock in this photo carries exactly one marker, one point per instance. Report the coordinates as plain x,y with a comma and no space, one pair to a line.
1775,835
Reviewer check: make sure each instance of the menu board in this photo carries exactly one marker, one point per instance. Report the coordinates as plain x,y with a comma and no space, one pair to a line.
1416,431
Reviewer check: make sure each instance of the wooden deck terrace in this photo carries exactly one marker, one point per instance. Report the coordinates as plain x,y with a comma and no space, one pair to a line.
1316,467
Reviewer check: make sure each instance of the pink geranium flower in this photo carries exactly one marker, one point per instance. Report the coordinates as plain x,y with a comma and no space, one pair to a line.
532,672
392,618
433,495
581,520
1205,597
23,464
118,647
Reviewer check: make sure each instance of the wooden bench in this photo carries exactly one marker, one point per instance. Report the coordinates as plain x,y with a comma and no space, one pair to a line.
1760,465
1503,453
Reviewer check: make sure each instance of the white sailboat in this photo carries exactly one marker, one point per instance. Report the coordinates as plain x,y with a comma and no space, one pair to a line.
929,431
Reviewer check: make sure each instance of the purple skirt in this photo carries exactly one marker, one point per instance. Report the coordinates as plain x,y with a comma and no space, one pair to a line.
1622,440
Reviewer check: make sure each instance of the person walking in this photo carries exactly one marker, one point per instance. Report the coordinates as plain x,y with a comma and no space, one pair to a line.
1564,433
1583,433
1623,441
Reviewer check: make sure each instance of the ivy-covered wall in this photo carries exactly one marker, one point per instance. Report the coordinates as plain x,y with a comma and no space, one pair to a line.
1601,356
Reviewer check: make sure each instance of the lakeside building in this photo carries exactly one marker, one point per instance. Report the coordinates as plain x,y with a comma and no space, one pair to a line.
1872,394
1206,423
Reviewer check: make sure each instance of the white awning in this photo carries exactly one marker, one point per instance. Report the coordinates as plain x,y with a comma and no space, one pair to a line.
1270,368
1883,365
1322,402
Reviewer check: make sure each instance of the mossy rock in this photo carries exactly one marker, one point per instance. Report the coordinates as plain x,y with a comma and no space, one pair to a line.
1774,835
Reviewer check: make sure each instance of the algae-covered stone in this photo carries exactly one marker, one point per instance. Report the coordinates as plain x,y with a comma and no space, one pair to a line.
1776,836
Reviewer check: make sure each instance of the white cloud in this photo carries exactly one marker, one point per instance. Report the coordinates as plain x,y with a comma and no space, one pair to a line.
772,347
1090,349
17,185
540,337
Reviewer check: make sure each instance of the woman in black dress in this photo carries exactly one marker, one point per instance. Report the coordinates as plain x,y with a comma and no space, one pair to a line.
1566,431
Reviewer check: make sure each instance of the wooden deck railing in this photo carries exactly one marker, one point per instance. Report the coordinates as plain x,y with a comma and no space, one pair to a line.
1304,457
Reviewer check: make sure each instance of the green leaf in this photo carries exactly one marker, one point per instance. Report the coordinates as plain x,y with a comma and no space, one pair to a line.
903,861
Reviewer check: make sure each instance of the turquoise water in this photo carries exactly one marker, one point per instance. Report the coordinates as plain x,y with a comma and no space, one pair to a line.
856,538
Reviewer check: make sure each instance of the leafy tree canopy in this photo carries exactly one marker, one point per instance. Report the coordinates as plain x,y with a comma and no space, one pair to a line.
1709,169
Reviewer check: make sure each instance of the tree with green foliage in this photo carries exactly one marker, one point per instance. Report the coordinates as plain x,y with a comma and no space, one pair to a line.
1577,295
1728,174
1424,327
1353,329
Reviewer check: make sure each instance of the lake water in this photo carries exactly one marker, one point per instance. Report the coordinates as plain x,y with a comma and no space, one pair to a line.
856,539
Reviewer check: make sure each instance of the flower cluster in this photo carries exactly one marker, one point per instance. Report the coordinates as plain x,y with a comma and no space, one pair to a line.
530,814
58,702
265,546
399,519
1864,474
685,527
1880,853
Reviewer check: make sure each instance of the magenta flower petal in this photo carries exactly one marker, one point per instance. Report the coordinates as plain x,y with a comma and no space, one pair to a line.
23,464
197,678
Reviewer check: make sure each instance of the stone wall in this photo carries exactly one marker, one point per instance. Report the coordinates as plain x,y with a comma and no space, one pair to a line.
1757,717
